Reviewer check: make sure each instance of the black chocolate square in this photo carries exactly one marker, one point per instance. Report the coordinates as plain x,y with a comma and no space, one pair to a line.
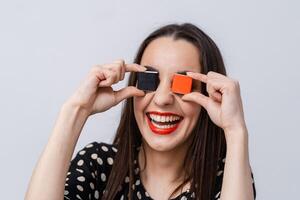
147,80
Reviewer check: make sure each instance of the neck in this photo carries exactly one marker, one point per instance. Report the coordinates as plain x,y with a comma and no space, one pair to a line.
168,163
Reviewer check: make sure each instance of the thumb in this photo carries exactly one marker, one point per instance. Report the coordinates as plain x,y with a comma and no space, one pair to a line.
127,92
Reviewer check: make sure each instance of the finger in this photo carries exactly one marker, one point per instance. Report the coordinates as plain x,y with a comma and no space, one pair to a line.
197,98
134,67
127,92
120,66
110,78
96,70
216,96
211,87
121,63
106,69
122,69
198,76
117,69
213,92
216,85
122,72
212,74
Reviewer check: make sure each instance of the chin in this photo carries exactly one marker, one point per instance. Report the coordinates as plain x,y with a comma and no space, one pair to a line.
160,145
164,143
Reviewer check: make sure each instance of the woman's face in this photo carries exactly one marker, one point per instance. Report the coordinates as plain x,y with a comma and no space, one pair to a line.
167,56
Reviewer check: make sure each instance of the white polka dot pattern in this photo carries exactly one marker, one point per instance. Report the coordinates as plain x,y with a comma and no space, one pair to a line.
89,173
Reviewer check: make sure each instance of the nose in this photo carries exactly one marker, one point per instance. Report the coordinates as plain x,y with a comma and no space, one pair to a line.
163,95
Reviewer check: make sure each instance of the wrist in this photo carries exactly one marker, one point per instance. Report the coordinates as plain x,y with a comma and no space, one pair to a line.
73,107
236,135
237,144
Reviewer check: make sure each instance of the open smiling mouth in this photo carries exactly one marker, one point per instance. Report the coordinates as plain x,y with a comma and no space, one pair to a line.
163,123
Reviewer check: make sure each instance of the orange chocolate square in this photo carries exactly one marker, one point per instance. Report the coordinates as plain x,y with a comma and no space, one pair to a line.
182,84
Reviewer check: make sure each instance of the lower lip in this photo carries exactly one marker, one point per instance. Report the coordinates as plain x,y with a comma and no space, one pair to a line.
164,131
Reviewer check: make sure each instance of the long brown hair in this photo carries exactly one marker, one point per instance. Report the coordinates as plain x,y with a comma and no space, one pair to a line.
208,141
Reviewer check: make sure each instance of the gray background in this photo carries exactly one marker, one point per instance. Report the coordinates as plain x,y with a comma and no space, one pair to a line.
47,48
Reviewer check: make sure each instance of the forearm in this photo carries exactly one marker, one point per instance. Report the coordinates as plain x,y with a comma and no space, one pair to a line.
48,178
237,181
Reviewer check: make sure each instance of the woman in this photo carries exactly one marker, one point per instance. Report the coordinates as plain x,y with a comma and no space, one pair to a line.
167,145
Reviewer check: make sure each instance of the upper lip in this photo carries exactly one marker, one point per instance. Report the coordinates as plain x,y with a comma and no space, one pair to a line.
163,113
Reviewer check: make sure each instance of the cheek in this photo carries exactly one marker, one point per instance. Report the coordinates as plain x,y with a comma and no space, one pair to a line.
191,110
136,106
191,114
139,106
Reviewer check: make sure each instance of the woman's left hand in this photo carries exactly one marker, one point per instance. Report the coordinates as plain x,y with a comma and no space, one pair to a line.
224,103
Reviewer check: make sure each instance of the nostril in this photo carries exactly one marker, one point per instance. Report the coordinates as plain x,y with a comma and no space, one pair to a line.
164,99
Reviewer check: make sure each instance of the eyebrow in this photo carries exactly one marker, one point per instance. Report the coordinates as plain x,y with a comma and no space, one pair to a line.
150,68
182,72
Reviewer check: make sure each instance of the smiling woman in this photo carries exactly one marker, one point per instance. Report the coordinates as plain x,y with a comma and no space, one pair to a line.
168,56
169,145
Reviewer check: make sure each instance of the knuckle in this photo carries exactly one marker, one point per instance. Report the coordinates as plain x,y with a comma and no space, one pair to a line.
119,61
94,69
211,73
119,67
116,67
234,84
209,82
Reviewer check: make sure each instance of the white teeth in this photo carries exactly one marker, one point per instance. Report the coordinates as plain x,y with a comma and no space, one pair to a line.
167,119
159,118
164,126
172,118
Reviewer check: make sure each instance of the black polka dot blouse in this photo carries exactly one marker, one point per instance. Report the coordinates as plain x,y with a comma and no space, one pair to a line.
90,168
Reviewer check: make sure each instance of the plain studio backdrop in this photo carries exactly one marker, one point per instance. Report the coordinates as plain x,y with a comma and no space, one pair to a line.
47,48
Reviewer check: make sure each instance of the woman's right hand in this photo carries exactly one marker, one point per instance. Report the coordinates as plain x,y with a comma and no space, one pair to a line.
95,93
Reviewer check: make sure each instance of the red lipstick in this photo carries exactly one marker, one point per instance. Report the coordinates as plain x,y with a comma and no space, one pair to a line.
159,130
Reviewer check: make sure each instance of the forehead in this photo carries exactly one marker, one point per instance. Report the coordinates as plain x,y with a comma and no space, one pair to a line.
167,54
